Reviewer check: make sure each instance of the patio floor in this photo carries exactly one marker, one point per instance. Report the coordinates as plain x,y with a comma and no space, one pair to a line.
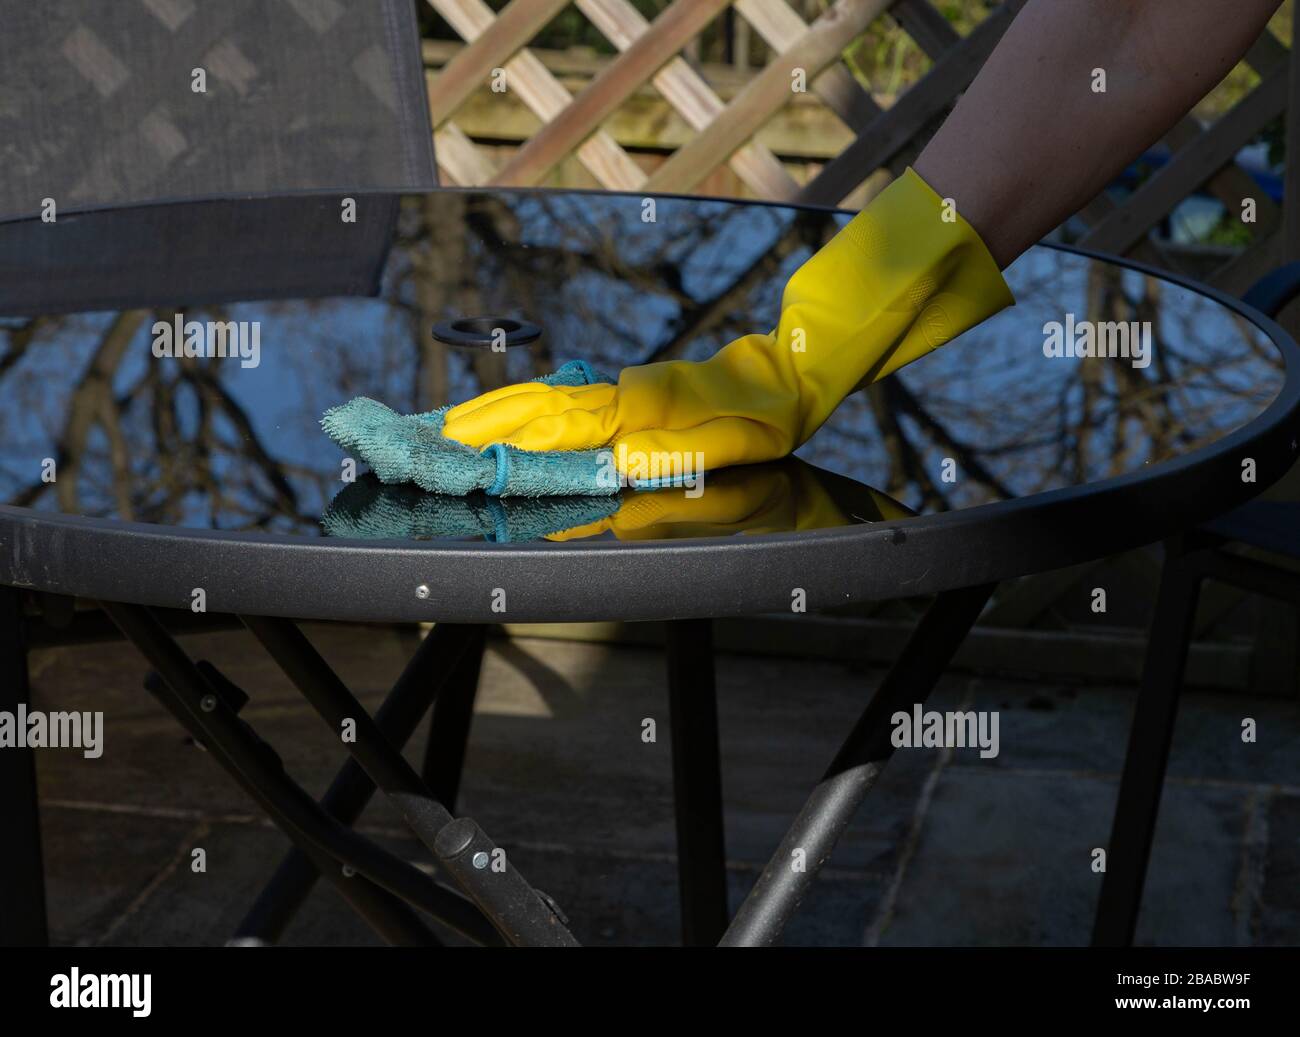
949,849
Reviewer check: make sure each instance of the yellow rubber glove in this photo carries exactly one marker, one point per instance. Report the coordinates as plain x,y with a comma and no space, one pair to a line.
779,497
903,277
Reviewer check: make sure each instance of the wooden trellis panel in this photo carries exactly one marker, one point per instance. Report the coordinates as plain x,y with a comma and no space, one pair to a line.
726,132
541,92
768,91
691,96
1191,166
670,32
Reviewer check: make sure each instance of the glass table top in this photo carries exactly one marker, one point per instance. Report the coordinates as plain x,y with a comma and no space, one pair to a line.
331,297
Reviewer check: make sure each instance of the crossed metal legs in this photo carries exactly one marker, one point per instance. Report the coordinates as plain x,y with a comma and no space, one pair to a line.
521,915
459,844
380,888
236,747
446,665
384,889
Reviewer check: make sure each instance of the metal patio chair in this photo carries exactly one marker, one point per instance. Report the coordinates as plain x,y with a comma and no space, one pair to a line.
151,102
1269,526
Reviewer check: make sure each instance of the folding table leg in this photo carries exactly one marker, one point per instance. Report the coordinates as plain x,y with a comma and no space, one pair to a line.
1138,803
253,764
429,674
809,842
22,874
521,915
697,782
389,917
453,713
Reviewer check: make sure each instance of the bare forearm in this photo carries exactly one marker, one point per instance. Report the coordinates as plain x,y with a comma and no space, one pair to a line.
1033,139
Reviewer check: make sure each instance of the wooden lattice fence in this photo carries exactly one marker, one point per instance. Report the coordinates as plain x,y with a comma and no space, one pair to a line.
882,139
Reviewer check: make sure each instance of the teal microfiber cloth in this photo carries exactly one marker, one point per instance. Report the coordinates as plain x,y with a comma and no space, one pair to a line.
411,448
369,510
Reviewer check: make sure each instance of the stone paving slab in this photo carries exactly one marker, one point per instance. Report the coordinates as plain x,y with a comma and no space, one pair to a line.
1001,860
99,864
1006,859
1197,893
1075,728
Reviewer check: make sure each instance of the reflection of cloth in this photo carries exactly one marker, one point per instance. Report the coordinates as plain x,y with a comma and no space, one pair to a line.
783,496
411,448
292,96
369,510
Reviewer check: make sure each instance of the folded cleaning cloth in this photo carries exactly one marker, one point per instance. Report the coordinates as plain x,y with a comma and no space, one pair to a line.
411,448
369,510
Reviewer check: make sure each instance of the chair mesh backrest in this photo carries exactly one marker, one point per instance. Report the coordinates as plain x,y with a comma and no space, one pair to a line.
99,102
194,253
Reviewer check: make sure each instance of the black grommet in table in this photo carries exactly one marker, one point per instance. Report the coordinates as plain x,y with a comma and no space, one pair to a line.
487,332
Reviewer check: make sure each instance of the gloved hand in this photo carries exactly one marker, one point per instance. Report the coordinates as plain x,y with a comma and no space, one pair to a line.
900,279
780,497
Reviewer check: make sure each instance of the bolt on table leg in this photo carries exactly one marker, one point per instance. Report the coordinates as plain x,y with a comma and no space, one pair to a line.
781,887
502,894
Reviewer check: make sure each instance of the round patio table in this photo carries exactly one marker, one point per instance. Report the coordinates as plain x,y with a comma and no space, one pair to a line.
163,370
